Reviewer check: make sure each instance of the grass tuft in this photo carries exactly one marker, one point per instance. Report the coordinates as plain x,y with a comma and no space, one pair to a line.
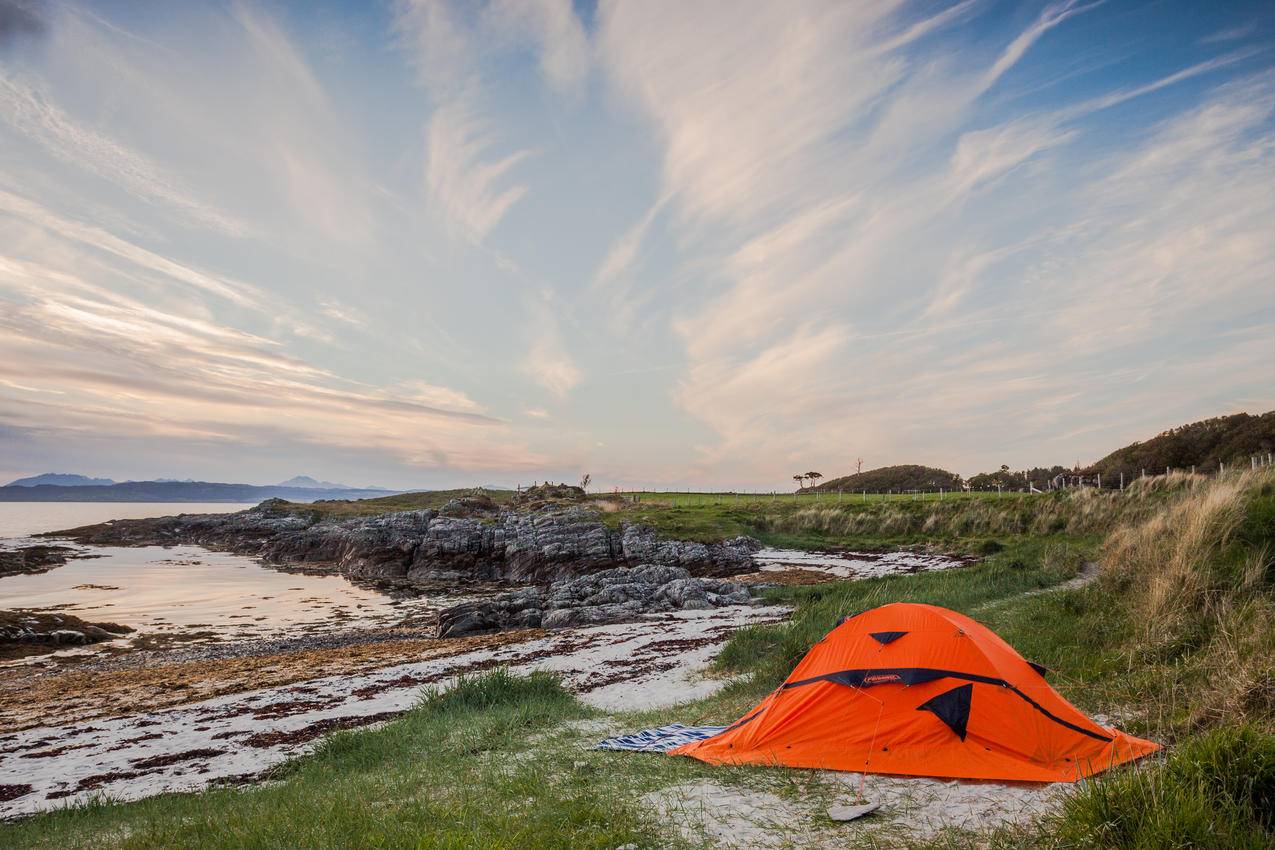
1214,792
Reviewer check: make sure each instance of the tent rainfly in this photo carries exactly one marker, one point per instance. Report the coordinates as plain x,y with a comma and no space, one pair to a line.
923,691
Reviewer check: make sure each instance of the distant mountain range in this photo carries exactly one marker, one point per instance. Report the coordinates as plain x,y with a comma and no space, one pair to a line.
61,479
65,487
305,482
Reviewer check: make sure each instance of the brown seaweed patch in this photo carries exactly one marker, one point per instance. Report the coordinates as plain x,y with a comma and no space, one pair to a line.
173,758
262,740
13,792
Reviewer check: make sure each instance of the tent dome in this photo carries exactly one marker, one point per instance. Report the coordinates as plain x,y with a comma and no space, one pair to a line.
920,690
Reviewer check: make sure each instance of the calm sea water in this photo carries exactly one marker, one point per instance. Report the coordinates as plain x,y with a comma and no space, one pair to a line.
19,519
183,593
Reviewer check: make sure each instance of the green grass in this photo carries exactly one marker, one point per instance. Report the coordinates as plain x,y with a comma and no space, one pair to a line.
885,522
804,499
1214,792
435,499
770,652
878,523
450,774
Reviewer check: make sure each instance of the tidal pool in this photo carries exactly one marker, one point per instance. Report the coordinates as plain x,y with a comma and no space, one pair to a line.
186,594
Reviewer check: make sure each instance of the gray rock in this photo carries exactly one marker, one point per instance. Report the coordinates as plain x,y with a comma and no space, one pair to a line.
468,541
659,573
608,596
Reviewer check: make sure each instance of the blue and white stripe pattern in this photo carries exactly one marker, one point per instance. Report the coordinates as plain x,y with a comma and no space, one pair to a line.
659,740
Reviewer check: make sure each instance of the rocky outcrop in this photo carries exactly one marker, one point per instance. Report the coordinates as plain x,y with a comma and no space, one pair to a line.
460,542
29,560
610,596
23,632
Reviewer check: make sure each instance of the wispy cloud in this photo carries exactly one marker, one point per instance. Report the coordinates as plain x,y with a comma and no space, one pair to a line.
31,113
555,30
547,362
186,377
472,188
1051,17
471,165
344,313
234,291
906,248
1230,33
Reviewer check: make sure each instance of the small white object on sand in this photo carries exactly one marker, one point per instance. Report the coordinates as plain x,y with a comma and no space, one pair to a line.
843,813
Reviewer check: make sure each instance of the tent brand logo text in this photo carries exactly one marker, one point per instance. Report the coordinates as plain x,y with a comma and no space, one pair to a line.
882,678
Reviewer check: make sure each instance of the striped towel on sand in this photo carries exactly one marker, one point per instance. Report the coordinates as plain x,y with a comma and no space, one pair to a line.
659,740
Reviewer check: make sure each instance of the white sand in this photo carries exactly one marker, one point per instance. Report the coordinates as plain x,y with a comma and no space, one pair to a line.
654,662
711,815
912,809
853,565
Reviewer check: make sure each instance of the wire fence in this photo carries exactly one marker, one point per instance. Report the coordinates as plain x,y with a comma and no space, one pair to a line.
1120,479
1117,481
692,498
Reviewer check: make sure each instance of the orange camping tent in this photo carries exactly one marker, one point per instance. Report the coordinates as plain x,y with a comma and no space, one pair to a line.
923,691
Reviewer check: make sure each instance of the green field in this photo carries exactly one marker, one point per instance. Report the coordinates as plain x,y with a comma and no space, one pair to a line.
433,499
674,497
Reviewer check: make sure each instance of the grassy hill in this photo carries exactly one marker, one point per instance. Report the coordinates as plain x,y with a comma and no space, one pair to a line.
908,476
1226,439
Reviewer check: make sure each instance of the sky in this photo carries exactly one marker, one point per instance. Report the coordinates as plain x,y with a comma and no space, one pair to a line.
428,243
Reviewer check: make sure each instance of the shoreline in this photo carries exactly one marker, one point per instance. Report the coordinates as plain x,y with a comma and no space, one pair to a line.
185,738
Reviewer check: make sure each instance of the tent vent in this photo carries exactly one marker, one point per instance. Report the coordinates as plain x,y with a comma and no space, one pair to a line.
952,707
886,637
1039,668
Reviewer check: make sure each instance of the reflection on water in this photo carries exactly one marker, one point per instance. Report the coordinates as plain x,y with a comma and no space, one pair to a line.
19,519
188,594
853,564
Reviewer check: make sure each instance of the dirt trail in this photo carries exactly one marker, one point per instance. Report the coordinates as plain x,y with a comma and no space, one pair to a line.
1087,575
